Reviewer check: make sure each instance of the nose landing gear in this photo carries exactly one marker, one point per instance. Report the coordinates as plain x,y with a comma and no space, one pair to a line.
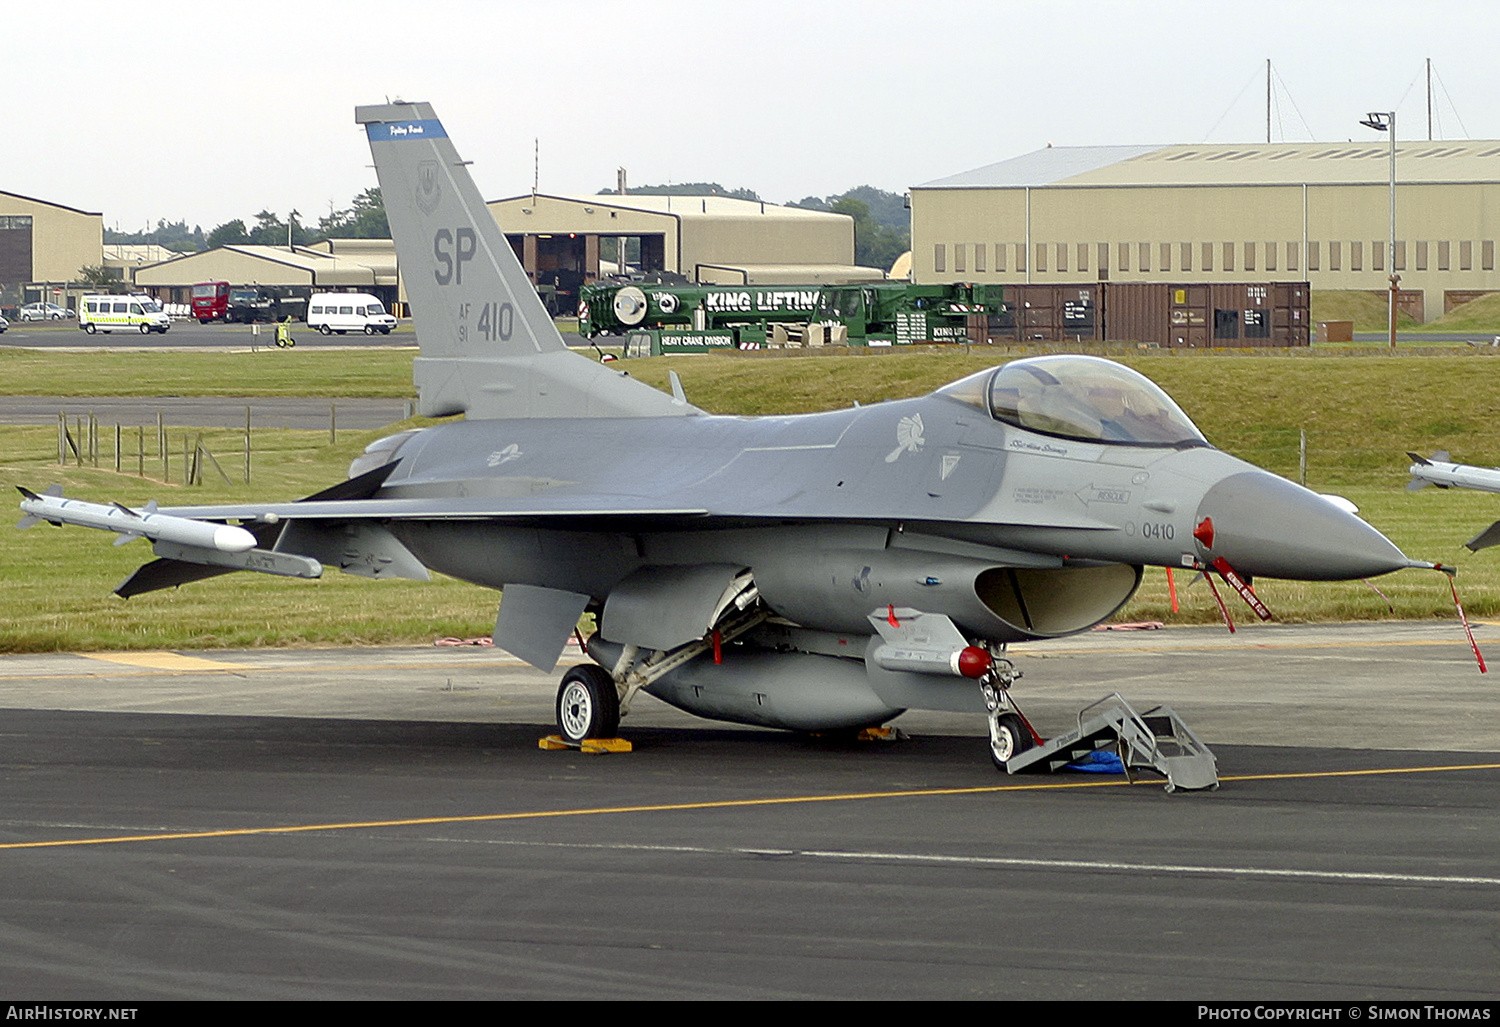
1010,734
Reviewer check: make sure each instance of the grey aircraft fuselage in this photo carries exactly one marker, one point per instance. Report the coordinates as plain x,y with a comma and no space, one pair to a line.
967,477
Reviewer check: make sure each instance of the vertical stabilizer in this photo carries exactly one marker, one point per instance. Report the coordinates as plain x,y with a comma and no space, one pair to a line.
489,349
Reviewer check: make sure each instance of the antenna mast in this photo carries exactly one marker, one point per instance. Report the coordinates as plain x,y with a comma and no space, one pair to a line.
1429,99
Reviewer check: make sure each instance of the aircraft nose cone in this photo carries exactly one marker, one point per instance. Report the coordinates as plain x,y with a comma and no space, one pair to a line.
1264,525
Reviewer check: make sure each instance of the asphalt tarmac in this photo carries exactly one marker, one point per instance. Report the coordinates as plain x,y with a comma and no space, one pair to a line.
380,823
189,335
186,335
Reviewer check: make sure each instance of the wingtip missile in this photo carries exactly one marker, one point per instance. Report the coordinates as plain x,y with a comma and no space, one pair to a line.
1440,470
54,508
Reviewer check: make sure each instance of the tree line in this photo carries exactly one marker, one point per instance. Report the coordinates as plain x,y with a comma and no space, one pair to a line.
882,226
364,218
882,229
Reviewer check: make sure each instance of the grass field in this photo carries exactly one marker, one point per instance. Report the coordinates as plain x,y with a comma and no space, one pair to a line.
1368,311
1360,415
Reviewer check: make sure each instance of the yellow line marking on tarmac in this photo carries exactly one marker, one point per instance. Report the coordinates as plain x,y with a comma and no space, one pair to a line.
791,800
165,661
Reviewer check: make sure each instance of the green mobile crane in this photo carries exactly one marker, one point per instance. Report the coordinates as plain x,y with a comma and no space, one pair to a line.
686,318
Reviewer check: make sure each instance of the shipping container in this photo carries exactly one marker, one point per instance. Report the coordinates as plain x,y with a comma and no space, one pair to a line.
1187,316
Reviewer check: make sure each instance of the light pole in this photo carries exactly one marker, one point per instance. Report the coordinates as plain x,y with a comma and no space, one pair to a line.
1386,122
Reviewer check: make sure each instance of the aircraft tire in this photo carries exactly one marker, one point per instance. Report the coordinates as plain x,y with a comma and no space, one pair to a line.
588,705
1014,738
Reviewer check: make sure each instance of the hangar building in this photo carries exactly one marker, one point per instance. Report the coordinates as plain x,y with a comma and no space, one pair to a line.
44,244
337,265
1317,212
716,239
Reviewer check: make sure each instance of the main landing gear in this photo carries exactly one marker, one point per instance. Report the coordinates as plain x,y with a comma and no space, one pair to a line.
588,704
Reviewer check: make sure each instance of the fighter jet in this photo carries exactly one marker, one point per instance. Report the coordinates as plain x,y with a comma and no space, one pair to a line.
1439,471
816,572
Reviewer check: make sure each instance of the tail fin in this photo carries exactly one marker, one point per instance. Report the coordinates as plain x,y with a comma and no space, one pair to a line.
489,349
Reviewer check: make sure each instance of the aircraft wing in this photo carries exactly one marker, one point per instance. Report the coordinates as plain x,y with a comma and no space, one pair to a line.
444,508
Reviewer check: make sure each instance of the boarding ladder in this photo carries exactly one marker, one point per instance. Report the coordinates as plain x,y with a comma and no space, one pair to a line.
1155,740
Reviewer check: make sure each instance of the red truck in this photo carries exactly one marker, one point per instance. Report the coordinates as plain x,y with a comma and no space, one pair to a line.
219,301
211,301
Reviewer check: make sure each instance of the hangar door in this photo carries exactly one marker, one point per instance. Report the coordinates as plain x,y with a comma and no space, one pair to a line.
559,263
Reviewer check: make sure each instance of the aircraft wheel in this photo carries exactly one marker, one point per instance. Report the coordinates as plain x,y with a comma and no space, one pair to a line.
588,706
1012,738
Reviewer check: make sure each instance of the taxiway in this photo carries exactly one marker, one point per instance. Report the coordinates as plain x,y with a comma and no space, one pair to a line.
381,823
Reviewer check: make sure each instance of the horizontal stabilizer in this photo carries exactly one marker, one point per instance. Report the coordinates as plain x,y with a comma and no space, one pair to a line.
1488,537
362,487
159,574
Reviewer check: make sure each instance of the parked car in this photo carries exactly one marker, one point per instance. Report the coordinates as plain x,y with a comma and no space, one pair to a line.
44,312
4,324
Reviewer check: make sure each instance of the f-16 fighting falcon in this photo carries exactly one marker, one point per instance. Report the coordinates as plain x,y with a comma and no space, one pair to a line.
816,572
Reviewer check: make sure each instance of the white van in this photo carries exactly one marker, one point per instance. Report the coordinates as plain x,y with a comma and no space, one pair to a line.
339,312
122,313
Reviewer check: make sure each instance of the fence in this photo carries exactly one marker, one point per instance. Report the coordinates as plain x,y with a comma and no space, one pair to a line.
81,442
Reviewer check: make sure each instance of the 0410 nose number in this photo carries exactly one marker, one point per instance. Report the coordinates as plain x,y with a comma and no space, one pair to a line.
1158,529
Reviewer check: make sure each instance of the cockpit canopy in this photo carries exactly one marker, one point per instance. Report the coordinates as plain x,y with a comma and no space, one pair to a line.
1077,397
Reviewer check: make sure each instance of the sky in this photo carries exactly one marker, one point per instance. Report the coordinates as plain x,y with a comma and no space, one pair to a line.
203,113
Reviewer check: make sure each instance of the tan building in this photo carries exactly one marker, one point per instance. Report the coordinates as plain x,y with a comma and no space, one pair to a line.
1222,213
367,265
42,246
703,238
124,259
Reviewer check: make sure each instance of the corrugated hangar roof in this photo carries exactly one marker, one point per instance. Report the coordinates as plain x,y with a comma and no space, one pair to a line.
1043,167
685,206
321,266
1236,164
48,203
